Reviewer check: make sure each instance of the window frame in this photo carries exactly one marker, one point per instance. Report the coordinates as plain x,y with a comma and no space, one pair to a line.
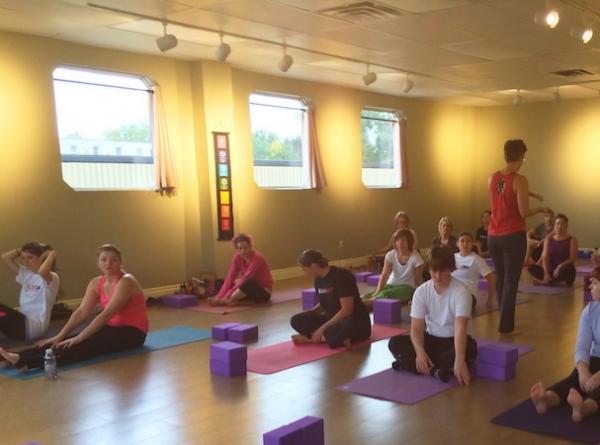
395,162
304,163
95,158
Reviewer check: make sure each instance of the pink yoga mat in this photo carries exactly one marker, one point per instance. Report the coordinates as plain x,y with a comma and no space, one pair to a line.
275,358
277,297
397,386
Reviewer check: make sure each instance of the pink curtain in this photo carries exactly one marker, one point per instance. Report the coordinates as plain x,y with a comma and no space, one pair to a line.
317,173
166,176
404,179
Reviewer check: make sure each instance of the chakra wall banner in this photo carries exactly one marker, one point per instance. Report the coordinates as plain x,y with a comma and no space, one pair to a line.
224,198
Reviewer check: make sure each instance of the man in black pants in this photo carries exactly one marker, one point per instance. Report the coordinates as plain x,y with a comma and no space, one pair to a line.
441,308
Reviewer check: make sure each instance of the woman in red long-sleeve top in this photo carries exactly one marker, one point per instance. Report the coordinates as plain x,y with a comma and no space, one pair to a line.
249,278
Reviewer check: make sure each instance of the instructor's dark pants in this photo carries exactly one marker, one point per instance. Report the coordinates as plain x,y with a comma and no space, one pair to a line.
508,254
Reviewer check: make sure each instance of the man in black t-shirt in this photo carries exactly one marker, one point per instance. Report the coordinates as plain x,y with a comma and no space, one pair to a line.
340,318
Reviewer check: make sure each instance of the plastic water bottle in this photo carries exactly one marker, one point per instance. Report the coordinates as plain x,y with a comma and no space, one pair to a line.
50,365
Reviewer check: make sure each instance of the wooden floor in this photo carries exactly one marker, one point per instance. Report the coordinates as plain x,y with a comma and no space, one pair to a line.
169,396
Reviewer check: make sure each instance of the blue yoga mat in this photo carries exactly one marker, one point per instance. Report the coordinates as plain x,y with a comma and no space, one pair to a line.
556,422
155,341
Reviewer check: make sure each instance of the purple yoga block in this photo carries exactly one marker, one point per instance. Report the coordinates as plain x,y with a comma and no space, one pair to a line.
227,369
361,277
228,352
243,333
219,331
373,280
498,354
483,284
309,298
489,262
285,435
587,296
387,310
180,300
495,372
313,430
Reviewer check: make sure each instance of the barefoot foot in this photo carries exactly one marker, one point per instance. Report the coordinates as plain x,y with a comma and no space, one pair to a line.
300,339
576,401
537,393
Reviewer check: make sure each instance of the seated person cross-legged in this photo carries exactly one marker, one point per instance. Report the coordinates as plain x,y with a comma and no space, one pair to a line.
558,257
581,389
438,343
401,221
402,271
339,318
121,324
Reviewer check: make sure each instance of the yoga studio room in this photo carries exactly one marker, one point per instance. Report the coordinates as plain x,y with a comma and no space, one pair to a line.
299,222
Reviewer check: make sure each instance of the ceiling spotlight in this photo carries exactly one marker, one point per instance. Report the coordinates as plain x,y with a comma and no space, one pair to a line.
583,33
222,51
285,62
518,99
556,95
369,77
408,85
548,18
166,41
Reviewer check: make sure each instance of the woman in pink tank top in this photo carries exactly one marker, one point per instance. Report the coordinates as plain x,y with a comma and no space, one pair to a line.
507,241
121,324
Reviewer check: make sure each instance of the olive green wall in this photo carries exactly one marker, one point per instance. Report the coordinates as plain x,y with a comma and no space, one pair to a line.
563,157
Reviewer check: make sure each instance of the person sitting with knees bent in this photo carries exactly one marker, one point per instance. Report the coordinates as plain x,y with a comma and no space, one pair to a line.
340,318
438,343
445,238
401,221
402,271
536,238
249,279
558,257
121,324
33,265
470,268
581,389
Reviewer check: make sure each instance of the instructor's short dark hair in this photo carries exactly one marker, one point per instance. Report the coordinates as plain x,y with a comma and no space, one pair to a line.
514,149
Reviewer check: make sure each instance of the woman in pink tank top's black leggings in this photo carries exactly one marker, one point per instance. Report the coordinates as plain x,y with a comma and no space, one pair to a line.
507,241
122,323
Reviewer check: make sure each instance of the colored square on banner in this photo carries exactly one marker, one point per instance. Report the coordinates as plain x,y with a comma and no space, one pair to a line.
225,224
225,211
223,170
225,198
221,141
224,184
222,157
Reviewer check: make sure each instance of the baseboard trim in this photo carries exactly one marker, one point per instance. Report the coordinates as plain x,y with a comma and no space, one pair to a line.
278,275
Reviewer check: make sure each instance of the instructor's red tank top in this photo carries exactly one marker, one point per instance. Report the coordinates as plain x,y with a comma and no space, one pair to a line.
505,218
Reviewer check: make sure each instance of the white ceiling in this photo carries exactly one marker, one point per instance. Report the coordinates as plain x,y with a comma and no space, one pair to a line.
468,51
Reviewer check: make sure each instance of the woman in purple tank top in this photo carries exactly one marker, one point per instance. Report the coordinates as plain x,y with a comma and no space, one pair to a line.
558,257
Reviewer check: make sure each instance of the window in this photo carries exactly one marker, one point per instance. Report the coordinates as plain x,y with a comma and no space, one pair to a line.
380,139
104,124
279,141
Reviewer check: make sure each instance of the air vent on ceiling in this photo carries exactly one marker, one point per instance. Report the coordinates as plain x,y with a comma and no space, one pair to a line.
572,73
361,12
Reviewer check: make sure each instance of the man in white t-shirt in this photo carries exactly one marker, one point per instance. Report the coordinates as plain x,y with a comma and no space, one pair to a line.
470,268
441,309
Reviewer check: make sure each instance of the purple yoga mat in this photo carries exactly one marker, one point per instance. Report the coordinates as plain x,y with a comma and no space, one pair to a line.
556,422
585,269
530,288
397,386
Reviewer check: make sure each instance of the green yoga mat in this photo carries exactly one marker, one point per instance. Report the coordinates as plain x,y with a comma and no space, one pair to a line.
155,341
